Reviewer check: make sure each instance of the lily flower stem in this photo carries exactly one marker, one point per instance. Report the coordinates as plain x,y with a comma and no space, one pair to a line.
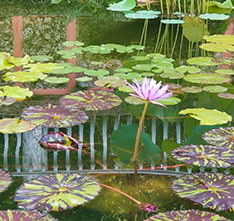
119,191
136,148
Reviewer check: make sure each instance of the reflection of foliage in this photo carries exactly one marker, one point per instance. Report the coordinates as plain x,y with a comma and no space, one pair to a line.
6,40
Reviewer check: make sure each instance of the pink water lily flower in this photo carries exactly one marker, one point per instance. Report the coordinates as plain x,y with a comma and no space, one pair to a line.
150,90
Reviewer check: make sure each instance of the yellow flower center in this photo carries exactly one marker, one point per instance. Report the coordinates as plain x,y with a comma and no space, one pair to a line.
56,117
89,101
63,189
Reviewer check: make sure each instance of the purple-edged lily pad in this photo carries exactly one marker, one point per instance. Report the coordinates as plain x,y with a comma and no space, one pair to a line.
221,137
7,100
54,116
58,141
186,215
5,181
15,125
212,190
204,155
91,100
228,96
57,192
24,215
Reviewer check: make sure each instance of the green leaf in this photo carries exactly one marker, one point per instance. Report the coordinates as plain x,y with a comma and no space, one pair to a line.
16,92
55,1
214,16
125,5
55,80
124,147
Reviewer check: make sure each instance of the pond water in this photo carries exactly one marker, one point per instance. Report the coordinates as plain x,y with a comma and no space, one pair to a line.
105,42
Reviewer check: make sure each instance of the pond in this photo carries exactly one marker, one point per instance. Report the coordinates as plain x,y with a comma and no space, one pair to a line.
84,119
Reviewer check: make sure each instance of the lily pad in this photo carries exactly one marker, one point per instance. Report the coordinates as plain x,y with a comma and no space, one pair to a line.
111,81
84,79
142,14
143,67
42,67
213,47
41,58
124,5
204,155
229,96
123,70
211,190
192,90
172,75
126,89
15,125
55,80
6,100
221,137
225,71
54,116
169,101
202,61
5,181
220,39
208,78
128,76
69,69
93,73
141,58
206,116
91,100
56,192
58,142
4,63
215,89
172,21
19,61
73,43
190,69
23,76
134,100
214,16
186,215
16,92
24,215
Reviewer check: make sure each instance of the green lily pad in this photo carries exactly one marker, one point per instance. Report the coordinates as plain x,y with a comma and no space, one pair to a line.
96,63
84,79
229,96
91,100
190,69
220,39
202,61
225,71
15,125
42,67
55,80
69,69
192,89
6,100
16,92
23,76
142,14
194,28
206,116
73,43
215,89
128,76
225,5
143,67
4,63
56,192
172,21
96,49
126,89
213,47
214,16
41,58
134,100
99,72
5,181
124,5
169,101
208,78
124,147
155,55
19,61
172,75
111,81
123,70
147,74
141,58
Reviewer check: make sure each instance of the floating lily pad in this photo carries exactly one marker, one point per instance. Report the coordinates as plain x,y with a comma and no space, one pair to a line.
6,100
142,14
212,190
123,70
141,58
41,58
58,142
169,101
4,63
224,60
91,100
24,215
55,80
186,215
84,79
73,43
172,21
225,71
96,63
134,100
190,69
221,137
124,5
5,181
23,76
215,89
110,82
214,16
16,92
208,78
221,39
15,125
69,69
147,74
204,155
172,75
143,67
54,116
56,192
126,89
202,61
206,116
213,47
93,73
42,67
173,86
192,89
128,76
229,96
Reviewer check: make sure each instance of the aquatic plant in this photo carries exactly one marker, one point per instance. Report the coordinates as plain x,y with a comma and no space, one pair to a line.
150,91
5,180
